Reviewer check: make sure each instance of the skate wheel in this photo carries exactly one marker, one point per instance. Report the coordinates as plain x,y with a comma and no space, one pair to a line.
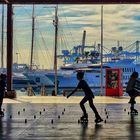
84,121
98,121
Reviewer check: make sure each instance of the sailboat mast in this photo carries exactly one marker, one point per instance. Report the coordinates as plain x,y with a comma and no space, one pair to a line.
55,48
2,37
32,45
83,44
101,80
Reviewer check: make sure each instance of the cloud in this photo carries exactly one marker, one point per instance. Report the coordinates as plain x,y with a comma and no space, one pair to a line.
120,22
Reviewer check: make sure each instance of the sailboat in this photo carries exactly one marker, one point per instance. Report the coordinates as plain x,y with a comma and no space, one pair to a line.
22,75
19,81
36,76
66,75
95,73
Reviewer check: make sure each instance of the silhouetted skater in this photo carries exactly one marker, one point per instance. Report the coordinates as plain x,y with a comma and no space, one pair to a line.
88,97
2,91
133,93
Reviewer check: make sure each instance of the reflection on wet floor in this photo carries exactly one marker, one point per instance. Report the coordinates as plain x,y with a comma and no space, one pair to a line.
60,122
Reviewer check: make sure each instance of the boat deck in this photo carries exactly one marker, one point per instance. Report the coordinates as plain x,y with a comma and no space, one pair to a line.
56,118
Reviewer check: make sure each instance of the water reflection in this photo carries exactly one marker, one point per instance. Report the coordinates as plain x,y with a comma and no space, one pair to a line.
132,127
1,128
84,130
90,133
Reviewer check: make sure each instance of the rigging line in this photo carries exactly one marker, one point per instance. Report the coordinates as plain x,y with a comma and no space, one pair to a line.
42,52
68,27
65,43
48,10
106,48
62,42
26,10
130,45
39,12
17,12
21,19
131,48
65,39
36,53
46,62
43,40
51,13
16,43
42,37
37,40
16,49
61,34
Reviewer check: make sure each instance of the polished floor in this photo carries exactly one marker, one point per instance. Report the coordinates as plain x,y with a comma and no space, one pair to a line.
56,118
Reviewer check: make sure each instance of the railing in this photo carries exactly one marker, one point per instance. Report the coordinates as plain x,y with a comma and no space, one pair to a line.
70,90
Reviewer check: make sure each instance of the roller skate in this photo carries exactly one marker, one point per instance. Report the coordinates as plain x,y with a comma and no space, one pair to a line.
84,118
131,101
1,113
98,119
134,111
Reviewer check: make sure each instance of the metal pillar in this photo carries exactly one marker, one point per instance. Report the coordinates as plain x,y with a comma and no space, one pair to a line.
101,81
10,92
2,38
55,50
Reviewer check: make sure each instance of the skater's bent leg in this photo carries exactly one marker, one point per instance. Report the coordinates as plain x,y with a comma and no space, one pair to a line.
1,101
132,107
93,107
132,102
83,101
136,93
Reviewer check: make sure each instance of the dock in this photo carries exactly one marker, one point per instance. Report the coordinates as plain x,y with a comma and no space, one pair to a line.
56,118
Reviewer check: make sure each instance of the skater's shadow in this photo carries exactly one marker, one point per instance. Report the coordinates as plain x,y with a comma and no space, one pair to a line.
97,129
1,128
84,130
91,133
132,127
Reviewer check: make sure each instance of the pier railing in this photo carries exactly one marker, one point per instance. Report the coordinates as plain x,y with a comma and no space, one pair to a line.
66,91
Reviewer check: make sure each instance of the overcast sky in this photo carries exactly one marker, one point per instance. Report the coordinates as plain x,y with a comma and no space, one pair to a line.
121,23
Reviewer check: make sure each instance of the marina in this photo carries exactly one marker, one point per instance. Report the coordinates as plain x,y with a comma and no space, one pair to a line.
93,59
36,104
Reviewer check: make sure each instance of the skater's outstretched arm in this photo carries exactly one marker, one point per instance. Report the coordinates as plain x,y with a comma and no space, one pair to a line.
72,92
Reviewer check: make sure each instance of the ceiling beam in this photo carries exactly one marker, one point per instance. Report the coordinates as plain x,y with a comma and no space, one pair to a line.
70,1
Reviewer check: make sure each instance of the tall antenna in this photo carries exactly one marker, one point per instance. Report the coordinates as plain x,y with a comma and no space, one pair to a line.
55,47
83,43
32,45
101,81
2,37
